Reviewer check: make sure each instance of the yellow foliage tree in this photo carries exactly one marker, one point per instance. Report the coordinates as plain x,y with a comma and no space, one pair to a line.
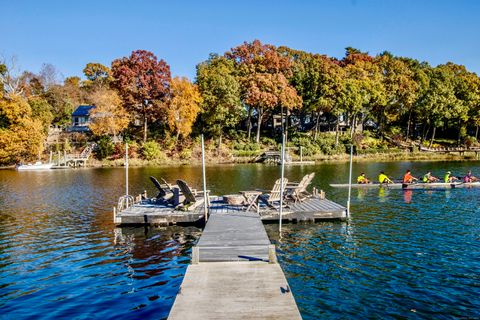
21,137
109,117
184,106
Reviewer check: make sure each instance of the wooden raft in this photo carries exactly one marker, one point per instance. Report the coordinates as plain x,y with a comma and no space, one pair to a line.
313,209
234,274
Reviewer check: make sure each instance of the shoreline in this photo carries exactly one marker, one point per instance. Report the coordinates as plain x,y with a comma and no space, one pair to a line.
376,157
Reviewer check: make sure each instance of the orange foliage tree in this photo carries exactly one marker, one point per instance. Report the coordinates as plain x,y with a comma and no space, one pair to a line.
184,106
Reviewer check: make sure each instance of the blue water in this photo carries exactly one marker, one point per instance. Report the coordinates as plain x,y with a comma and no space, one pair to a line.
401,255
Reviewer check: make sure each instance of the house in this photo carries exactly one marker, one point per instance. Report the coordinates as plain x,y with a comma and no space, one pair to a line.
81,119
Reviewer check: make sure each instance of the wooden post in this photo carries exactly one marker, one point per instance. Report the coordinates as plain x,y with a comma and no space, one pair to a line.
272,257
301,154
195,255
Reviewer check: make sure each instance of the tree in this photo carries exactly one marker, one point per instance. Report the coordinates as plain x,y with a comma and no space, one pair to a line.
62,102
97,75
220,90
21,137
42,111
439,102
263,75
11,85
318,80
108,117
401,90
363,86
184,106
49,75
143,82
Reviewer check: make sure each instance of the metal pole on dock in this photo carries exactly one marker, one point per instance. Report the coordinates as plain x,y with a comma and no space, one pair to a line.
126,169
350,181
281,186
204,178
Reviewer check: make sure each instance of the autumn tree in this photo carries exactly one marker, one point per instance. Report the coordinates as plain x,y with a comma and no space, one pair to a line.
362,87
318,80
439,102
109,117
263,74
401,90
97,75
184,106
143,83
220,90
21,136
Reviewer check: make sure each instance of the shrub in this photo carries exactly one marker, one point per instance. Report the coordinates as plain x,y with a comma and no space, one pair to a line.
104,148
151,150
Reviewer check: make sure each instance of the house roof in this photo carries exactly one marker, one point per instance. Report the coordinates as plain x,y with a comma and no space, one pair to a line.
82,111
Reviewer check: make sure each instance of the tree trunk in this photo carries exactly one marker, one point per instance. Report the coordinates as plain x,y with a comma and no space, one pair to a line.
476,134
259,124
433,136
317,124
219,149
337,131
144,124
249,122
352,125
408,125
286,128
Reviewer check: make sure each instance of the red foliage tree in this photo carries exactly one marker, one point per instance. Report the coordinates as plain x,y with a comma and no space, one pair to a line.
143,83
264,74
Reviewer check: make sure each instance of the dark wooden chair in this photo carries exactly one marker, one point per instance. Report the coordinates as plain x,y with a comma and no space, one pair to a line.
165,192
193,198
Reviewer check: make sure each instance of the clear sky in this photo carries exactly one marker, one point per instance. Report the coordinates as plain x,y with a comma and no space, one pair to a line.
69,34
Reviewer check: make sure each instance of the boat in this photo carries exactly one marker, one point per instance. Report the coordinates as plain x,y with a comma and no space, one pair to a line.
36,166
410,186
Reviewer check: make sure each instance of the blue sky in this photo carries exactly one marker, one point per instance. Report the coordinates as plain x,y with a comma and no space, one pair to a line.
69,34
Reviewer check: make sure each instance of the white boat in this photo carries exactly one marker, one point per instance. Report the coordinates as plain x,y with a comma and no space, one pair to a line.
36,166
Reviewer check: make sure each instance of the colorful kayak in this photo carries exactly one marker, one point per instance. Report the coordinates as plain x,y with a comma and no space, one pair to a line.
410,186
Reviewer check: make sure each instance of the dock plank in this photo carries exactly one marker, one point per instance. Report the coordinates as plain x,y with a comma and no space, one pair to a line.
242,290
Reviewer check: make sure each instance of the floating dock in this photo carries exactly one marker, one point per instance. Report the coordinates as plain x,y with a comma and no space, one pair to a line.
147,213
234,274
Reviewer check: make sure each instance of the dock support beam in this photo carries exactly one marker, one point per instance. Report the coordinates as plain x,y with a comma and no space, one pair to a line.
195,255
272,256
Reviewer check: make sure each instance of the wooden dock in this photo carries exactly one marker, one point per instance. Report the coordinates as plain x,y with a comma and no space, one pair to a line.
313,209
234,274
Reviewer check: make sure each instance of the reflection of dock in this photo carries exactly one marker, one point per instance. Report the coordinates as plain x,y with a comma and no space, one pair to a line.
312,209
234,274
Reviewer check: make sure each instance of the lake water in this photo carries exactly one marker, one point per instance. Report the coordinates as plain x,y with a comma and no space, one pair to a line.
401,255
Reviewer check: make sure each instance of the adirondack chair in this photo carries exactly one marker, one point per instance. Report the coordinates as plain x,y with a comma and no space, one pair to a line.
298,191
193,198
270,198
165,192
